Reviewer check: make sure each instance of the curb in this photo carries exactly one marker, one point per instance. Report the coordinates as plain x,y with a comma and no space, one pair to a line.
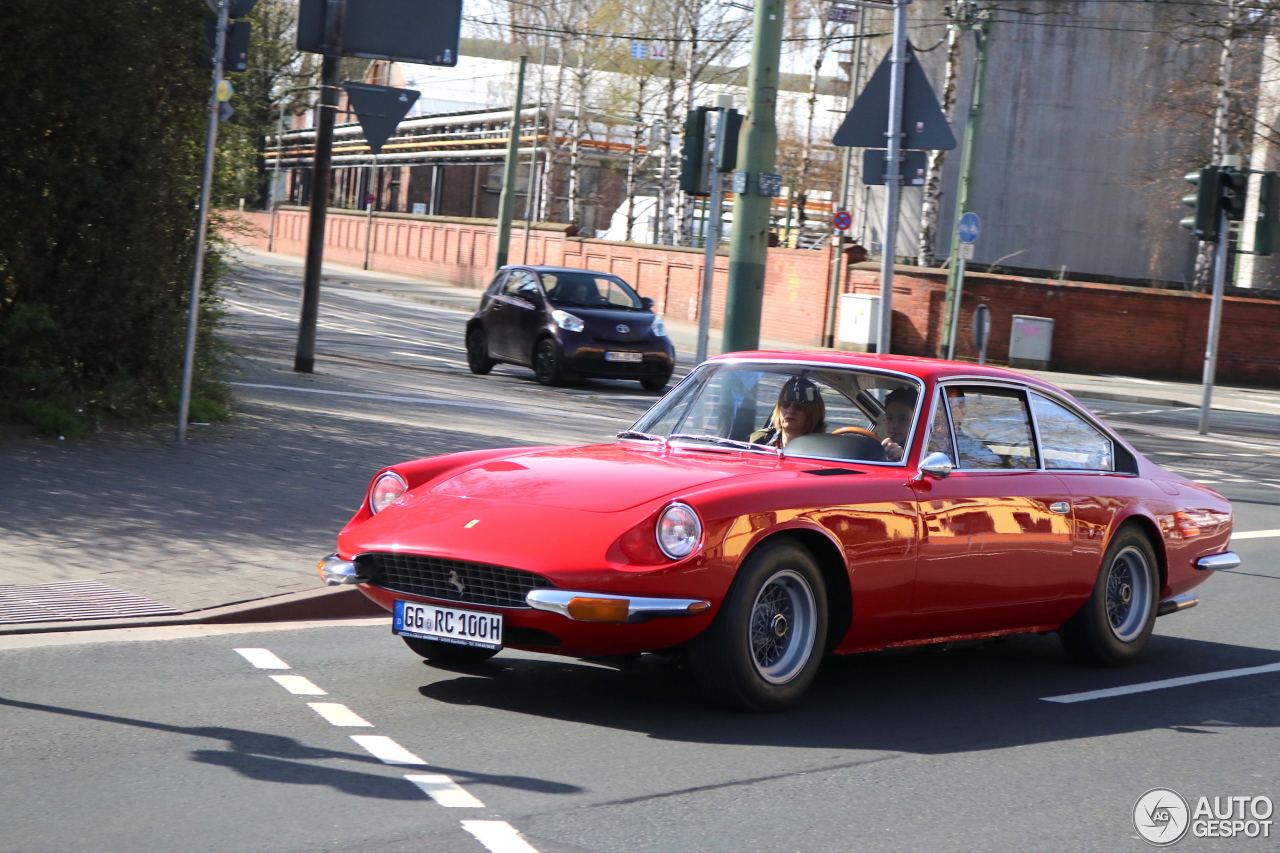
1082,394
325,603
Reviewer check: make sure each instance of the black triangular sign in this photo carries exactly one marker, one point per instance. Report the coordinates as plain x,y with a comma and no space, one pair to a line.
923,123
379,109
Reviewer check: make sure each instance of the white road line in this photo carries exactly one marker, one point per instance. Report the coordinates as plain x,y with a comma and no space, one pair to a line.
452,361
1255,534
1163,684
339,715
298,685
448,793
498,836
523,410
386,750
263,659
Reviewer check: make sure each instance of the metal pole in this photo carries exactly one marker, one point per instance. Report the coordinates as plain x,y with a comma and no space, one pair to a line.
531,181
846,165
304,360
275,180
202,222
507,201
1215,316
711,235
372,190
892,172
955,269
757,149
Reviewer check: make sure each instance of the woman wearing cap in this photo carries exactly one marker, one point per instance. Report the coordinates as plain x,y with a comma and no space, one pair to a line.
799,411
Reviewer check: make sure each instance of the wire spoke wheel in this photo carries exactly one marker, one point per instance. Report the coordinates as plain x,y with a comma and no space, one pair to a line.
1128,595
783,627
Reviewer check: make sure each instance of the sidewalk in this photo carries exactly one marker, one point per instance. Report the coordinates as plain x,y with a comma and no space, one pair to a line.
1116,388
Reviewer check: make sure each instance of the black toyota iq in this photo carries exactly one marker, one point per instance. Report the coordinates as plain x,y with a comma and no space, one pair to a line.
567,324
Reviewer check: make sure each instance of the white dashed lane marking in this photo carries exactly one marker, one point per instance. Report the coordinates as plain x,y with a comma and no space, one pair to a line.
339,715
1255,534
498,836
386,750
446,792
1162,684
297,685
262,659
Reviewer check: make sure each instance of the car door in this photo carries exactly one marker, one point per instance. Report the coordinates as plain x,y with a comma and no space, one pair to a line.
510,312
493,312
529,319
996,545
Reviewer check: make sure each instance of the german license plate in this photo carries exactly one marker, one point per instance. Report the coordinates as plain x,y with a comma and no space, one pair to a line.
623,356
448,625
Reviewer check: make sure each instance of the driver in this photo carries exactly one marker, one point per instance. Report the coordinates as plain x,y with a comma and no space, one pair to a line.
799,411
899,407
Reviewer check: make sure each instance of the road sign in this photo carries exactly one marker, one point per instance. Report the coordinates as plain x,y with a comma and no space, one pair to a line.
639,50
739,182
379,109
224,90
225,111
914,166
842,15
370,198
421,31
770,185
923,124
965,251
842,220
969,228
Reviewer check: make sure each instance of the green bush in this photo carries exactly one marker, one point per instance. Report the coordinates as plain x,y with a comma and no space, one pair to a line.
100,154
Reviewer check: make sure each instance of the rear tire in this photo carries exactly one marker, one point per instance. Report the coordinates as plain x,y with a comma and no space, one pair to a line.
478,352
1114,625
448,653
763,649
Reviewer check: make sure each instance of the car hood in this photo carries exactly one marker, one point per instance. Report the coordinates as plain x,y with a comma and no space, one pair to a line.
603,478
604,322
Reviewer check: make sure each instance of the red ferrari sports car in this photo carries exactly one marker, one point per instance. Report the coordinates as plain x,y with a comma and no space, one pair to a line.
776,506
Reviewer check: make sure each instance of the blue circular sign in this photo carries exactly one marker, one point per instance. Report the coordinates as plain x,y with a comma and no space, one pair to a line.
969,228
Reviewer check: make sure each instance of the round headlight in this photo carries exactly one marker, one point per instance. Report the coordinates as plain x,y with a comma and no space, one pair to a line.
386,490
679,531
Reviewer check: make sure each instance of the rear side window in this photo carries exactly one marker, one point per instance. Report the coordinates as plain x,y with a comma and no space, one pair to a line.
1067,441
991,427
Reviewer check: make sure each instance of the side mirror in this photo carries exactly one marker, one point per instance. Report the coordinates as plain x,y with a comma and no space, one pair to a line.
646,302
936,465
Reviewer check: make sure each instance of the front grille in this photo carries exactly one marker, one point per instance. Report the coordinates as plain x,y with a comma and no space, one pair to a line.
435,577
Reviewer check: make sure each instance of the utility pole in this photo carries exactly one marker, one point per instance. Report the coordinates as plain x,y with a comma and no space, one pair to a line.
507,201
892,172
1222,258
304,360
202,221
749,244
955,268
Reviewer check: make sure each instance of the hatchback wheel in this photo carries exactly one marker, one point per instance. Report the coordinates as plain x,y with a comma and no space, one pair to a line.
478,352
763,649
548,366
448,653
655,383
1113,626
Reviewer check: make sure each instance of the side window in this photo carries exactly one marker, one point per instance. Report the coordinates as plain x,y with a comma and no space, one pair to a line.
496,285
1067,441
512,285
522,285
992,427
940,431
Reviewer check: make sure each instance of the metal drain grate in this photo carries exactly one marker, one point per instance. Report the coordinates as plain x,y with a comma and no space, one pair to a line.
55,602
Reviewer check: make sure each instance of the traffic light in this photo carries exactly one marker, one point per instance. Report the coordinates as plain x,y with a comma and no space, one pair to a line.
235,56
694,177
1266,228
1208,182
1235,189
732,127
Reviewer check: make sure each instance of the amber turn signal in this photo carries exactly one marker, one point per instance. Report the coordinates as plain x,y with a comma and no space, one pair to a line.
599,609
1186,525
699,607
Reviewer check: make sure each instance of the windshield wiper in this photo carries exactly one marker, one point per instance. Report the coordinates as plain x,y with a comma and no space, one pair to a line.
727,442
642,436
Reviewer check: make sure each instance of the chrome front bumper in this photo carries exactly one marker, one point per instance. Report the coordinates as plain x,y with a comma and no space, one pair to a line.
1216,562
335,571
638,609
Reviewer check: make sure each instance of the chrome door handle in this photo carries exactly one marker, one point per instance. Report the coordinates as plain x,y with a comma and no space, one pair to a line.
1060,507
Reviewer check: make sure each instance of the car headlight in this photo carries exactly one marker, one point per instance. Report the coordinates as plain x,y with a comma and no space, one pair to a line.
679,531
386,490
658,328
567,321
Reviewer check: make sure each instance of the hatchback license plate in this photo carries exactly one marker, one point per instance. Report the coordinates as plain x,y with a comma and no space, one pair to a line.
448,625
624,356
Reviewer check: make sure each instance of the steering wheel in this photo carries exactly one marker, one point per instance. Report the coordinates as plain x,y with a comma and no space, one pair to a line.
852,430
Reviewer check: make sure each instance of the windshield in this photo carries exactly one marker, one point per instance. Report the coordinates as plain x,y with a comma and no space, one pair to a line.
588,290
818,412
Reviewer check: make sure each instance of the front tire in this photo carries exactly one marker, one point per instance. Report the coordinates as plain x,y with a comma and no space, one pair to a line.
448,653
478,352
764,647
547,367
1114,625
655,383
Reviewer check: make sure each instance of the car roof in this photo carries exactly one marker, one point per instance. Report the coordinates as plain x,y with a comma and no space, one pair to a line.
544,268
924,368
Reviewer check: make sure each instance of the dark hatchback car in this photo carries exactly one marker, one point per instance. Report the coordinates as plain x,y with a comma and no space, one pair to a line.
567,324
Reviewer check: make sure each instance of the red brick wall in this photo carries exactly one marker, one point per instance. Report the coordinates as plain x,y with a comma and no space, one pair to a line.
1098,328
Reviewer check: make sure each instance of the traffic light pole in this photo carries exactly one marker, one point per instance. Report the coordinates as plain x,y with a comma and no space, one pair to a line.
892,173
749,245
711,237
507,201
304,360
1215,315
202,221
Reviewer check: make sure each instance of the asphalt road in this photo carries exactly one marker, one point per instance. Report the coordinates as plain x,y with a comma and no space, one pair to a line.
170,740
